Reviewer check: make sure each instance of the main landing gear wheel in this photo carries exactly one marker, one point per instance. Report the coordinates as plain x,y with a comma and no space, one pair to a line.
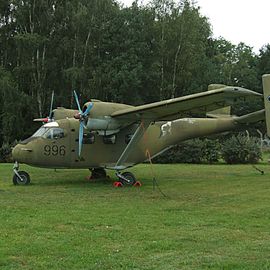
98,173
127,178
21,178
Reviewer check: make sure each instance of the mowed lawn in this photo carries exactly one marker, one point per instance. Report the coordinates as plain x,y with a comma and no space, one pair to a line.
214,217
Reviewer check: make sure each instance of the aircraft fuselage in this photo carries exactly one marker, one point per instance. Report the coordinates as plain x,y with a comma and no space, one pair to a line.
56,146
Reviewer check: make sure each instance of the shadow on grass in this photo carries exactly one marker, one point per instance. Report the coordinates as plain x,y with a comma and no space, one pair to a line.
74,182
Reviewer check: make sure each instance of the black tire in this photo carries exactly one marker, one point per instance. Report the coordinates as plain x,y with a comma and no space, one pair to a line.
130,176
25,178
98,173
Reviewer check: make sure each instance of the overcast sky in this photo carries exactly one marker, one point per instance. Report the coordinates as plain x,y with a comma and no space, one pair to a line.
237,20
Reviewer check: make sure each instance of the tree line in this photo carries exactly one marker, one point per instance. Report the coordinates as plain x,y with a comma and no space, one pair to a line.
134,55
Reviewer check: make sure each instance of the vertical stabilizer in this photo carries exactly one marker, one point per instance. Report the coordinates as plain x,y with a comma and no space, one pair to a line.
266,94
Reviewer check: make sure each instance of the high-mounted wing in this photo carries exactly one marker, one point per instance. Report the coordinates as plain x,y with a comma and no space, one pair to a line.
185,106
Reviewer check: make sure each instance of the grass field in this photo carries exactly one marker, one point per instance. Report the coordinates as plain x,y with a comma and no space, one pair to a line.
214,217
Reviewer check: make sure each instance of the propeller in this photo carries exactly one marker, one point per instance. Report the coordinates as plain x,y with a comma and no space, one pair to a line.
51,107
82,117
49,118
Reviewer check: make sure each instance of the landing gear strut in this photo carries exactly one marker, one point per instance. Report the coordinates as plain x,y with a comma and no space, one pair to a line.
20,177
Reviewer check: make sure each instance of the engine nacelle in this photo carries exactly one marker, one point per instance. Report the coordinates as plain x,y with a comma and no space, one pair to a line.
96,124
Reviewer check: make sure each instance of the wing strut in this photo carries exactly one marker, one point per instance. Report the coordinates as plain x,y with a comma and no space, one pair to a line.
134,140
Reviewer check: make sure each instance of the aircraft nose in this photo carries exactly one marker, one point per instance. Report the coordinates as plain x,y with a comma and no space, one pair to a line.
16,153
20,153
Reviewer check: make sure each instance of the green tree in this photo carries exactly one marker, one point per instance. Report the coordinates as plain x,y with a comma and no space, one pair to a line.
128,67
241,149
264,60
134,55
182,38
15,110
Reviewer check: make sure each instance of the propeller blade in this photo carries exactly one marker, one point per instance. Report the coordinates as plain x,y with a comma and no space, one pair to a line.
77,101
50,117
81,116
81,137
89,107
51,108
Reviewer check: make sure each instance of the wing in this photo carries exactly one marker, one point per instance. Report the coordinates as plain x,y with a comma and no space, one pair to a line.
185,106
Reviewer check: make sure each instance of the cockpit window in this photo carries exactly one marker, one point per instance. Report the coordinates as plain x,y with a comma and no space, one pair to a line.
49,133
54,133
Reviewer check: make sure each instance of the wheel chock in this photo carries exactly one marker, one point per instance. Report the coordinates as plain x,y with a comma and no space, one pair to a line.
137,184
117,184
90,178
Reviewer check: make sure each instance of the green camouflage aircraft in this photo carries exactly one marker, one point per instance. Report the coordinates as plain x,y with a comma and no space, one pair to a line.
104,135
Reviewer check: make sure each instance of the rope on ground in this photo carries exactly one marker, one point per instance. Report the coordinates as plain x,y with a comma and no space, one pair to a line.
257,169
148,155
155,183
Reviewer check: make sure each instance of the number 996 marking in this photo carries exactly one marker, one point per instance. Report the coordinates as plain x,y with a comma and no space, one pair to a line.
54,150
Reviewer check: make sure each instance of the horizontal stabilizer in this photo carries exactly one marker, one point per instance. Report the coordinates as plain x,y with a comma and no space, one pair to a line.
251,118
223,112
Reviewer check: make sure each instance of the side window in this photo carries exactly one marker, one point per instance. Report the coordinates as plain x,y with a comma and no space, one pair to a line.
111,139
58,133
49,134
128,138
88,138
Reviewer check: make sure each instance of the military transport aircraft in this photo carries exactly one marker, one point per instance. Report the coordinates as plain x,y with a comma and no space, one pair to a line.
104,135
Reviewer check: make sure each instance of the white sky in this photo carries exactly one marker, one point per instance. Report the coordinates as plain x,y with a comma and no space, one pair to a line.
236,20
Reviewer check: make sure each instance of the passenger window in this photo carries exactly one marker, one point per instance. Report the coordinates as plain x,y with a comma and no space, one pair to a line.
111,139
88,138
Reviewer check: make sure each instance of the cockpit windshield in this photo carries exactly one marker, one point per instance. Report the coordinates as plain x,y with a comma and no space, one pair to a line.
40,132
49,133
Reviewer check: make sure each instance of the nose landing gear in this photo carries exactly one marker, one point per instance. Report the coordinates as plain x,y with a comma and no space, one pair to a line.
20,177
